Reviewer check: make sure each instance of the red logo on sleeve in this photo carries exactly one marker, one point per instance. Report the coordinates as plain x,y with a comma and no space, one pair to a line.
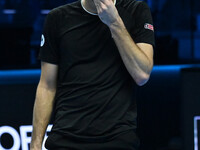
148,26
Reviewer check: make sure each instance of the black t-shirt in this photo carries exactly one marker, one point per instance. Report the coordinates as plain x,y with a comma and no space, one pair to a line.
95,98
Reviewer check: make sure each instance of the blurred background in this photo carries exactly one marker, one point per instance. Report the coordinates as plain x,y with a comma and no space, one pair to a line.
168,105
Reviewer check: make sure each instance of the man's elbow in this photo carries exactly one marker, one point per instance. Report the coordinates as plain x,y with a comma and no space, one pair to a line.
142,79
47,85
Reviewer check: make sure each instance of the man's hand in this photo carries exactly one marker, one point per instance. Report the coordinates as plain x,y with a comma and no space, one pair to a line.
107,12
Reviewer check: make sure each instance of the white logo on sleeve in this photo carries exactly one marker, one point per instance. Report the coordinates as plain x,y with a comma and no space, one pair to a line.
42,41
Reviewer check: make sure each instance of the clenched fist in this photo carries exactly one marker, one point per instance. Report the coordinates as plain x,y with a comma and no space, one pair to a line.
107,12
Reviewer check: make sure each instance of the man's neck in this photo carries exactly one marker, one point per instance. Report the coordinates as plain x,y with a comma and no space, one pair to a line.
90,6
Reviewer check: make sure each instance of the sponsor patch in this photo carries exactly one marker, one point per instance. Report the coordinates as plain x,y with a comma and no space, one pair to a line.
42,41
148,26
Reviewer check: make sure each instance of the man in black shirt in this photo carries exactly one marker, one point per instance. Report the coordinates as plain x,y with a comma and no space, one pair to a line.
94,53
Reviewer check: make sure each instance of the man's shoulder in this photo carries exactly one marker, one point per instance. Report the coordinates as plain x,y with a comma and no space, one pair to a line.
132,5
64,8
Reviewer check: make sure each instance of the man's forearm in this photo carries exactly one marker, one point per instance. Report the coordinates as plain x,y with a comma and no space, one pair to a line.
41,115
136,61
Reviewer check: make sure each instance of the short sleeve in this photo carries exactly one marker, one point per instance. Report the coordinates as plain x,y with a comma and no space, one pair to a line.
49,47
144,29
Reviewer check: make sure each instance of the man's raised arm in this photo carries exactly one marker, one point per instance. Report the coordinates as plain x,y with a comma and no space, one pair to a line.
138,58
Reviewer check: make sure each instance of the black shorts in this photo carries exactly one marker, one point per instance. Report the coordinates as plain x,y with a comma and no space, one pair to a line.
124,141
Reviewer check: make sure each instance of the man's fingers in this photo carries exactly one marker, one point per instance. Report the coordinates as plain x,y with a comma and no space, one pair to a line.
100,7
107,11
103,6
105,2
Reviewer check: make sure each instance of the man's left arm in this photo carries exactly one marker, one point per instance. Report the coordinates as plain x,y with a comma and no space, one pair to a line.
138,58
